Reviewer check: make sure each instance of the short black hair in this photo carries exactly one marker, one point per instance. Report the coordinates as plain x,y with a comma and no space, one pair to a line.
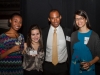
54,10
11,16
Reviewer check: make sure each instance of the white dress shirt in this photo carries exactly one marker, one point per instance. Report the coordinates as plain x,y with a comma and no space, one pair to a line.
61,44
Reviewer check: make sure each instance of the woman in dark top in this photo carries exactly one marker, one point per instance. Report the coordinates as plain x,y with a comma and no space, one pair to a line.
85,45
33,52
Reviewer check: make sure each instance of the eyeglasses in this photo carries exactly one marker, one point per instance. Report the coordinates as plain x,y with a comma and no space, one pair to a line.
77,19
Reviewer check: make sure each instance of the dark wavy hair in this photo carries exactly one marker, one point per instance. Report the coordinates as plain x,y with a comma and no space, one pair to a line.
29,40
84,15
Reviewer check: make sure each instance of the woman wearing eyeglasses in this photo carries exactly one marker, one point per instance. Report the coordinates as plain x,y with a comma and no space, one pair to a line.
85,45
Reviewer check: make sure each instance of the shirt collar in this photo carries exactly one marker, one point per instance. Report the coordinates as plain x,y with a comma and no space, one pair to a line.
52,28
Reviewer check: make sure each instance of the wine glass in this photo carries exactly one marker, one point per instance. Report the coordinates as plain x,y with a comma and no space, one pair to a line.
18,42
82,62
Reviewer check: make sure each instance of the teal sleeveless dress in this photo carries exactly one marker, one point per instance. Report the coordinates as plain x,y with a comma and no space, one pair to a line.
81,53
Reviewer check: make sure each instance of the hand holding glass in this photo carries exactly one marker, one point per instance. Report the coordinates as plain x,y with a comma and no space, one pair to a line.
18,42
84,65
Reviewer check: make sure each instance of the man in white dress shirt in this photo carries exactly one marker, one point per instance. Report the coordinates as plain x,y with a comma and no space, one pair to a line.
61,68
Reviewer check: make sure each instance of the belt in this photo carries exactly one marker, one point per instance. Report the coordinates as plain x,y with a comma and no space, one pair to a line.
57,64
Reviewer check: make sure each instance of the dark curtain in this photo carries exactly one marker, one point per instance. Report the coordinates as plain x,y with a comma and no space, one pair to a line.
37,11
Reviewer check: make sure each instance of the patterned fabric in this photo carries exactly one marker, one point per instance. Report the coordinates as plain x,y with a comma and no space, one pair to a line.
33,62
81,54
11,64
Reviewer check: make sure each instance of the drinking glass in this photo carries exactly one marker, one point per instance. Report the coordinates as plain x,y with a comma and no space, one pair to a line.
82,62
18,42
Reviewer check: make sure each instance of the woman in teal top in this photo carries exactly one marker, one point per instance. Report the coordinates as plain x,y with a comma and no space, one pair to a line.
82,62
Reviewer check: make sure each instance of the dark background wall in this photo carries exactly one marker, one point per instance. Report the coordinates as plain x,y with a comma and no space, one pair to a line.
7,7
36,12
